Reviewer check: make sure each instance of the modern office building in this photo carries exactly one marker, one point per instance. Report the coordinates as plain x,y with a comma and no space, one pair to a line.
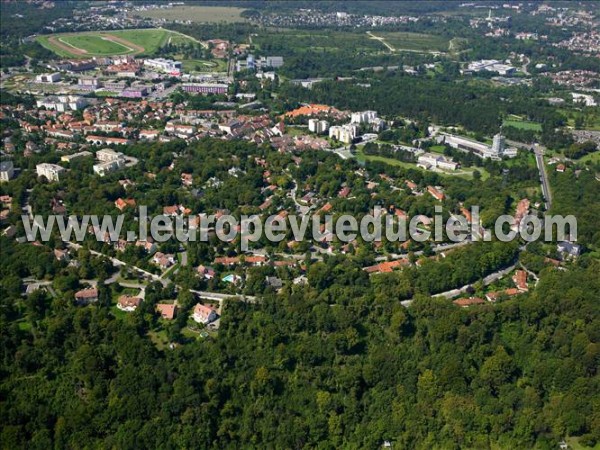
165,65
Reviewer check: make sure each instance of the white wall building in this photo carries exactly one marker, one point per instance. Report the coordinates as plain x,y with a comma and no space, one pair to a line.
344,133
363,117
164,65
108,154
62,103
107,167
497,150
52,172
7,170
48,77
434,161
318,126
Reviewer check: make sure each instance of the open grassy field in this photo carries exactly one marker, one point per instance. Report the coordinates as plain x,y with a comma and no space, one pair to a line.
466,173
98,45
105,43
522,124
199,14
200,65
419,42
287,42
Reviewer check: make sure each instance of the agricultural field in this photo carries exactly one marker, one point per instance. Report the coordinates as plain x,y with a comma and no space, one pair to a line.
101,43
415,42
197,14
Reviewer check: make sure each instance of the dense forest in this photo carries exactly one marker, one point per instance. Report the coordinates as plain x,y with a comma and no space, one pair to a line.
327,367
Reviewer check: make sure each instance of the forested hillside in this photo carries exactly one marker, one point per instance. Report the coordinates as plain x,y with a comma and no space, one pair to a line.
344,366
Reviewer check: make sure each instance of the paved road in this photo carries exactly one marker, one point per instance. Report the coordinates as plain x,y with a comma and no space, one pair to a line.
191,38
436,249
539,159
302,209
382,40
538,151
524,67
216,296
491,278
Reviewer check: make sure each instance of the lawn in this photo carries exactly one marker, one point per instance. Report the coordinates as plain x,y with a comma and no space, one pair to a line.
594,157
200,65
159,338
106,93
522,124
437,149
198,14
575,445
400,40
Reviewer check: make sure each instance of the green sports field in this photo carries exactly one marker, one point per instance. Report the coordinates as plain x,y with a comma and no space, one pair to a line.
96,43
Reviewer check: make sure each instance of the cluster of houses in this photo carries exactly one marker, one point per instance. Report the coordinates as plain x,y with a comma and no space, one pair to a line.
520,281
202,314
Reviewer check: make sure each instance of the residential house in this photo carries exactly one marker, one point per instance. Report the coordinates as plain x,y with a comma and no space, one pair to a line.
568,249
387,266
61,255
204,314
274,282
128,303
466,302
494,296
436,193
206,272
167,310
187,179
520,280
164,261
255,260
121,204
86,296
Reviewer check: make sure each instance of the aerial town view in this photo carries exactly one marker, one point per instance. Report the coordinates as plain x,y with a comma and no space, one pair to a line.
290,224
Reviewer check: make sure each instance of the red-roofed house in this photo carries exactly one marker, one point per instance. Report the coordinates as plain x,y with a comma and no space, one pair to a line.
520,280
204,314
466,302
256,260
167,310
86,296
387,267
121,204
436,193
128,303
